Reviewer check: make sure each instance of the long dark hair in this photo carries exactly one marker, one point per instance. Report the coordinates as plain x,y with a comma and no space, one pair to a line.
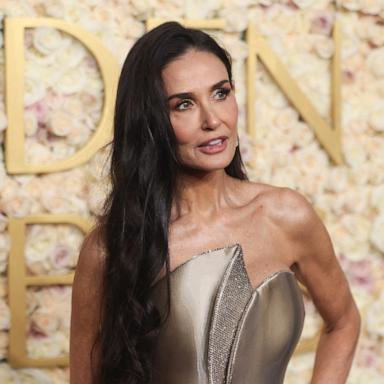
136,214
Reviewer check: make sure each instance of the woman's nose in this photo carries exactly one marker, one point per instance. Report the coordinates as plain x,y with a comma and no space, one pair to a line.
210,119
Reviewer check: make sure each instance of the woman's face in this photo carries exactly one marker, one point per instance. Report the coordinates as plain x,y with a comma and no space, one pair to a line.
203,110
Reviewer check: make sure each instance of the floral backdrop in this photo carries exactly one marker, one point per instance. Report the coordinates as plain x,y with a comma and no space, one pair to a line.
63,101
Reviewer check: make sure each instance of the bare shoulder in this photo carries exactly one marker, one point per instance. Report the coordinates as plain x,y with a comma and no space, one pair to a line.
92,252
288,208
292,219
315,264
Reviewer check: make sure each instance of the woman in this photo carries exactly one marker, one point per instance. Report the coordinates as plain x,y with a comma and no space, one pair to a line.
190,275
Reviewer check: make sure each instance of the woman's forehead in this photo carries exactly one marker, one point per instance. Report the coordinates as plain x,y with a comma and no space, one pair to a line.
193,71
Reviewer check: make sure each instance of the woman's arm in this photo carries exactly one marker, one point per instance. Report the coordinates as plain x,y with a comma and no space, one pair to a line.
85,316
316,266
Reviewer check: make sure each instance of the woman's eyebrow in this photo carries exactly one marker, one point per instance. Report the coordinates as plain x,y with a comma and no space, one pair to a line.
188,95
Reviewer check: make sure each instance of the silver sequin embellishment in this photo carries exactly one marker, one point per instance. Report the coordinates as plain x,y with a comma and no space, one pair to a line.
233,294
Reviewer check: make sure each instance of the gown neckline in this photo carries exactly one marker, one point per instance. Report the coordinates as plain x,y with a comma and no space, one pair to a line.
263,281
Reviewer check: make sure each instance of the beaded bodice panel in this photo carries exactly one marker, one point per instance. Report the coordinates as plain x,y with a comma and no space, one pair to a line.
222,331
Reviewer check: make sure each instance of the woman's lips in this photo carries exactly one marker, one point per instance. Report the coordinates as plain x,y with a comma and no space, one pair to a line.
214,146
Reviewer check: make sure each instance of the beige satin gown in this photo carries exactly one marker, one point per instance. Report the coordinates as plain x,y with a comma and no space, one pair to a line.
221,330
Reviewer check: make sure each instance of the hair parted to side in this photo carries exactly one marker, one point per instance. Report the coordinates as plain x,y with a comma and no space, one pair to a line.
136,214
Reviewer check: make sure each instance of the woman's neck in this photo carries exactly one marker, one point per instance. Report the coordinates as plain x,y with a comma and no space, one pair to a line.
202,195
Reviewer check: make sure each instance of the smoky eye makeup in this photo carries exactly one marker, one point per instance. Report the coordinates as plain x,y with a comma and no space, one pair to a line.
184,103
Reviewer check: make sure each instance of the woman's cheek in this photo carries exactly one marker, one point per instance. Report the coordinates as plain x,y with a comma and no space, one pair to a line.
232,111
184,127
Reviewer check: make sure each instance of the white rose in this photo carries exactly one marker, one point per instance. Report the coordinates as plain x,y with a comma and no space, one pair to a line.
60,123
36,152
131,28
35,62
234,18
324,47
98,166
93,85
73,236
17,9
377,197
354,152
34,90
375,61
371,7
3,120
47,40
376,120
377,233
237,47
60,149
51,75
46,347
201,9
375,317
14,201
358,226
351,5
6,376
79,134
62,257
141,8
45,320
299,370
71,81
337,179
5,316
322,22
303,3
71,56
30,123
62,203
97,195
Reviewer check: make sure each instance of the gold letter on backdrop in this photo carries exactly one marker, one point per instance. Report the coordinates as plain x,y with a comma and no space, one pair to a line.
329,137
18,282
14,93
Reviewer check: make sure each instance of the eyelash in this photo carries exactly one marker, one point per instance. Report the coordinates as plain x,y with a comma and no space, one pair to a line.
224,91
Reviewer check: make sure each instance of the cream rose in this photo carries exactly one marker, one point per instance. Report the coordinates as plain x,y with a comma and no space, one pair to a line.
60,123
351,5
6,376
71,81
14,201
3,120
30,123
303,3
47,40
377,233
377,197
34,90
375,317
36,152
5,316
375,61
376,119
45,320
71,56
62,258
324,47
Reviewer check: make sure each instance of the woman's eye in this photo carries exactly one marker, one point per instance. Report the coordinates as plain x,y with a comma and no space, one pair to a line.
222,93
183,105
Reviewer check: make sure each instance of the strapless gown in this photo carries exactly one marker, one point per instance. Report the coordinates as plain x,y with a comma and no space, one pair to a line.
222,331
